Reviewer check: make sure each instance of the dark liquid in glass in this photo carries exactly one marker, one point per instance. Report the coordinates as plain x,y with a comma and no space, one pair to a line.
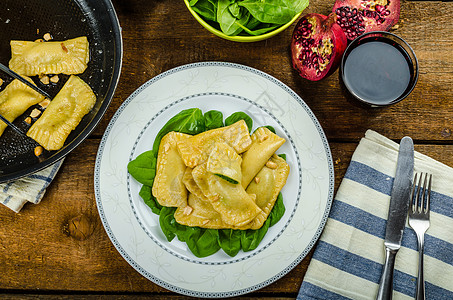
377,71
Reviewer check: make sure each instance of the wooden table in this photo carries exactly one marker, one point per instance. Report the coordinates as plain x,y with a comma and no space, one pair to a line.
59,248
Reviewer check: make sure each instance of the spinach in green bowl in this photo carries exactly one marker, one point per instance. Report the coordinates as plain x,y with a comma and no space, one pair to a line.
202,242
247,17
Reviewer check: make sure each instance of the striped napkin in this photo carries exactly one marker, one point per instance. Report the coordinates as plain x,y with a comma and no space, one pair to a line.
348,260
31,188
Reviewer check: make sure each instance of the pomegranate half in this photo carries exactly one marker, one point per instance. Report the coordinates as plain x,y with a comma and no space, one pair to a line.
317,45
356,17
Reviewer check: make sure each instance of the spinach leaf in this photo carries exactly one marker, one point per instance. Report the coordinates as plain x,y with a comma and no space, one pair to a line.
190,121
230,241
229,23
237,116
277,211
168,223
282,155
143,167
213,119
230,180
260,30
250,239
207,9
149,199
202,242
274,11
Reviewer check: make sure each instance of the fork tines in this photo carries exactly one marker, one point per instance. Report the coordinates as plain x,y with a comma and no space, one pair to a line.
420,196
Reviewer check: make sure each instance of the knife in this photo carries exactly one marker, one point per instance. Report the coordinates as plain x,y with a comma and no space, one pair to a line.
396,221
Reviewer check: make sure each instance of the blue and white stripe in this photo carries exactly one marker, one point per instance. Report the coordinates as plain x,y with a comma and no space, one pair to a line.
31,188
348,259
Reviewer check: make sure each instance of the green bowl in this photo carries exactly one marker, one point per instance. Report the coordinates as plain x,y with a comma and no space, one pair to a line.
240,38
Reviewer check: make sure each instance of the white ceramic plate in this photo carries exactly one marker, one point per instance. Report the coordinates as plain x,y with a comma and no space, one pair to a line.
226,87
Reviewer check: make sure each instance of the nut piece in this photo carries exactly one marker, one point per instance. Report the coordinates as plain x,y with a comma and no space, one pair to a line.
54,79
64,48
257,179
47,37
44,103
35,113
45,79
38,150
271,165
27,120
187,210
263,138
166,147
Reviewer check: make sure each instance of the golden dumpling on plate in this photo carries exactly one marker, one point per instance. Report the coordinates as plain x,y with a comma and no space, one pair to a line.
63,114
36,58
225,162
267,185
168,186
15,99
236,207
199,213
196,150
264,145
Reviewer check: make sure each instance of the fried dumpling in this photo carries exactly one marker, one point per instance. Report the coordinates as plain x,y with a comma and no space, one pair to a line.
199,213
63,114
268,184
168,186
36,58
264,145
195,150
236,207
15,99
223,161
191,185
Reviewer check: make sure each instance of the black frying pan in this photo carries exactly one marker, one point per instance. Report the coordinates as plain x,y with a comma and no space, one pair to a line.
63,19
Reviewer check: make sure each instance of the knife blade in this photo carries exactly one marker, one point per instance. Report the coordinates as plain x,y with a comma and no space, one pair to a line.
396,220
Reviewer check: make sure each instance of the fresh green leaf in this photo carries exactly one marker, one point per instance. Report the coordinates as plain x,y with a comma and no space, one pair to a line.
206,9
250,239
230,180
190,121
202,242
228,23
143,168
237,116
282,155
274,11
149,199
168,223
213,119
230,241
260,31
277,211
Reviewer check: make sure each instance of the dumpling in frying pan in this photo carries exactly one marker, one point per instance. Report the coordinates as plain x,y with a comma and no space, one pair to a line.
63,114
267,185
36,58
15,99
195,150
168,186
264,145
236,207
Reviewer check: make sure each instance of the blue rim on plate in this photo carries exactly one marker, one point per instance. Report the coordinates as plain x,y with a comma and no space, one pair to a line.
134,232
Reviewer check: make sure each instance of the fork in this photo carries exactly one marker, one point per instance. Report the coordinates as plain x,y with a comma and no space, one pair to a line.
419,222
